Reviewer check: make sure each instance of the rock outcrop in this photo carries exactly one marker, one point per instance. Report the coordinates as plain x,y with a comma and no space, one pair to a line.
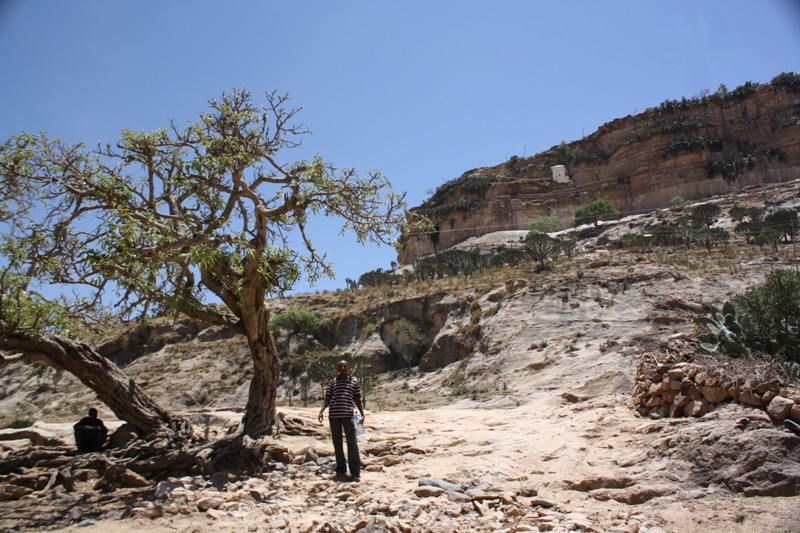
689,148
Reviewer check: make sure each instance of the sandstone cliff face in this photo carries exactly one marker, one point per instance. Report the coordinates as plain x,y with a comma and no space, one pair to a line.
690,148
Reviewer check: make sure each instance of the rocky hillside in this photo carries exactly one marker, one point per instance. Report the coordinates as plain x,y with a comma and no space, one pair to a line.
690,148
541,402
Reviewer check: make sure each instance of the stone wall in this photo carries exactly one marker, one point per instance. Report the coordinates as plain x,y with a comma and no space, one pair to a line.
688,389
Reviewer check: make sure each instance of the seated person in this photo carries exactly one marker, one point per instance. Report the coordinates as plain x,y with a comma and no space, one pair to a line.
90,432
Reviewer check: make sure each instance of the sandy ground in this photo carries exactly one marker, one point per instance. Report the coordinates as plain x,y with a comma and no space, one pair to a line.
545,442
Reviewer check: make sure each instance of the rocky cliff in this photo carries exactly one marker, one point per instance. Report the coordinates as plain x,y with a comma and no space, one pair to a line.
689,148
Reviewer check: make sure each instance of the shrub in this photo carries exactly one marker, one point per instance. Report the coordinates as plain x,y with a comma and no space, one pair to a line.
295,321
705,214
544,224
773,309
594,212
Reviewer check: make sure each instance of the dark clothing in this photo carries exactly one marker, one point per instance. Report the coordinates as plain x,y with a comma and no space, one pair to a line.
342,395
90,434
353,458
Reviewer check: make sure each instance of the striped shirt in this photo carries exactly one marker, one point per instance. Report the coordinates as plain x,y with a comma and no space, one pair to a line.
342,395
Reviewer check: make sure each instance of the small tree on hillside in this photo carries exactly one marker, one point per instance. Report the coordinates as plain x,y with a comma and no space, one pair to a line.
595,212
410,340
705,214
545,224
541,247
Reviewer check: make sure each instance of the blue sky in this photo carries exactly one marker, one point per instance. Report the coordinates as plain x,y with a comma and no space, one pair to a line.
421,90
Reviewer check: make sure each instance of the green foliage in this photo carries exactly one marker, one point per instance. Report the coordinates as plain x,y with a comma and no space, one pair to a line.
784,221
410,340
462,204
295,321
679,201
541,247
705,214
23,311
773,309
691,144
726,332
791,370
544,224
569,154
375,278
467,183
787,81
595,212
20,423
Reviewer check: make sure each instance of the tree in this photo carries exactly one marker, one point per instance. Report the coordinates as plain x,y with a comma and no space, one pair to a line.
784,221
410,340
161,220
705,214
541,246
295,321
545,224
595,212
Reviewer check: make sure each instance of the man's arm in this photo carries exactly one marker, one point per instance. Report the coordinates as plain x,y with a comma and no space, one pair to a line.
324,406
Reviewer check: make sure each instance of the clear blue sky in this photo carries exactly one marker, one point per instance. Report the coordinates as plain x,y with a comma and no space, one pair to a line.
422,90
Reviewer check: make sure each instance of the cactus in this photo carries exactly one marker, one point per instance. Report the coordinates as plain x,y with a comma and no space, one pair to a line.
727,332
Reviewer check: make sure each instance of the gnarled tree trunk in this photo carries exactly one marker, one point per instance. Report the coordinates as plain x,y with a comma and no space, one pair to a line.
259,415
116,390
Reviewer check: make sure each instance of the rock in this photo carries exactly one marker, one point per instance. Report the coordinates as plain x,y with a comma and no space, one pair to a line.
206,503
40,434
311,456
13,492
792,426
531,489
636,494
795,412
457,496
780,408
119,476
444,485
714,394
147,512
427,491
542,502
599,482
388,460
122,436
697,408
220,479
448,347
771,386
165,488
748,397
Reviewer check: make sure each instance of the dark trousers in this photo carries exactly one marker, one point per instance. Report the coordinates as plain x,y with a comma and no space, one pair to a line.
353,459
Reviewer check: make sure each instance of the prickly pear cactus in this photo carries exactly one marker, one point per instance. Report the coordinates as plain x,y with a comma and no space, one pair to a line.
727,333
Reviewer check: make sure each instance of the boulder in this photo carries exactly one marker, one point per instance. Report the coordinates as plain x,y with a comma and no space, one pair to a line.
448,347
780,408
714,394
122,436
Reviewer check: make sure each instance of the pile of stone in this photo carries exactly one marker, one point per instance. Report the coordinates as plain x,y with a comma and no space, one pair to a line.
687,389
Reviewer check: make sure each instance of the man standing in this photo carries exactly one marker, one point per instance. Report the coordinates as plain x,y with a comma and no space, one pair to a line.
343,395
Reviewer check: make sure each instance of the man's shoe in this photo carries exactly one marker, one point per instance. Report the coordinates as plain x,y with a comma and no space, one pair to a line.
354,479
340,477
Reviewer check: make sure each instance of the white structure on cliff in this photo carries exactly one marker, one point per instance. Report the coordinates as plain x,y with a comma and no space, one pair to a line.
560,174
